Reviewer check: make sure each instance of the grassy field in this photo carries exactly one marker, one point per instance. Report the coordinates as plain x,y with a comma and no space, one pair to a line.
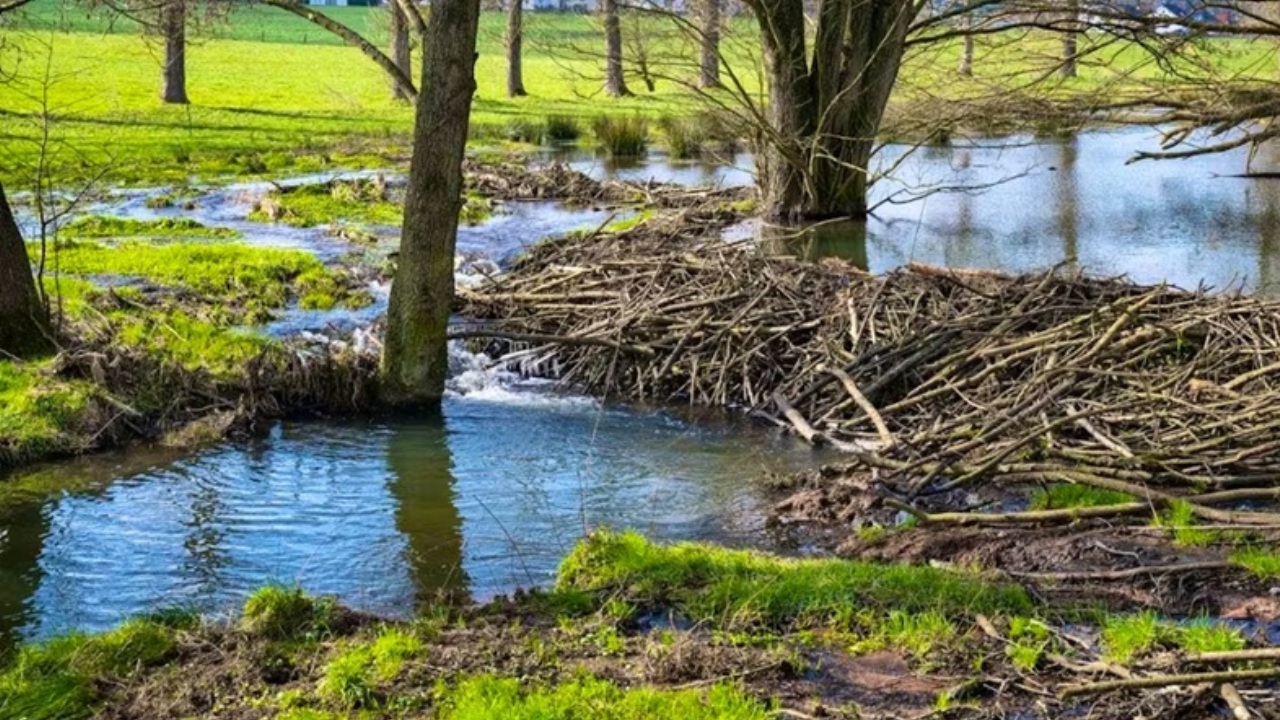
273,94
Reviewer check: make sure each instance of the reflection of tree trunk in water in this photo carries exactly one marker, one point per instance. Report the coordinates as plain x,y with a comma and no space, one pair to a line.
22,533
845,240
1265,195
422,484
1067,199
959,253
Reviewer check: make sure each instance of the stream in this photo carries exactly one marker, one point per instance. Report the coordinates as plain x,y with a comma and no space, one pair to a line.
489,495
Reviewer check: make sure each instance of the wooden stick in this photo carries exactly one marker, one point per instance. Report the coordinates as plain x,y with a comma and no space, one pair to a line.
1155,681
802,426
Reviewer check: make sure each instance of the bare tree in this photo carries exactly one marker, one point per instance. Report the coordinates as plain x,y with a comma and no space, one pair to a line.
415,356
709,45
400,56
515,41
615,85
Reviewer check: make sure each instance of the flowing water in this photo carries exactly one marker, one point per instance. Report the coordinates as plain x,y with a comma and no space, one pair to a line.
489,495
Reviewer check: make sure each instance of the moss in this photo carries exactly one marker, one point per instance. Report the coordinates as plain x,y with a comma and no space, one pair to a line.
625,224
1182,520
59,679
100,226
353,678
1125,637
1264,564
1072,495
177,337
282,613
39,412
741,588
475,209
487,697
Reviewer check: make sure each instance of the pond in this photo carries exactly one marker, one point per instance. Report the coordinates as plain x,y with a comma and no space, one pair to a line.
489,495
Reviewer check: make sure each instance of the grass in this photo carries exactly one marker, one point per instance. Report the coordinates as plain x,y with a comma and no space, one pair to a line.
99,226
360,201
38,411
742,588
1180,517
283,613
621,137
1263,563
562,129
1127,637
1072,495
60,679
686,137
919,634
487,697
353,678
1030,638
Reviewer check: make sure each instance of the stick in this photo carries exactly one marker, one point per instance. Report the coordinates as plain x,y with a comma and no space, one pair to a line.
1122,574
861,400
802,426
1155,681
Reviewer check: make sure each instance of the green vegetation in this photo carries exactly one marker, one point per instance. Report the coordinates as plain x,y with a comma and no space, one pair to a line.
1126,637
919,634
1029,640
60,679
360,201
1180,517
621,137
743,589
1205,635
686,137
488,697
353,678
1073,495
282,613
1263,563
562,129
99,226
38,411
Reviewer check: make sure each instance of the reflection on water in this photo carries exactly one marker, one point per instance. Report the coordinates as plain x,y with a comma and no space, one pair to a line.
383,515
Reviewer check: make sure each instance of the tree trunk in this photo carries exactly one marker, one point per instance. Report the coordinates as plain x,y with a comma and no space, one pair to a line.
24,329
823,119
966,53
614,84
173,23
400,49
415,356
1070,40
515,39
709,36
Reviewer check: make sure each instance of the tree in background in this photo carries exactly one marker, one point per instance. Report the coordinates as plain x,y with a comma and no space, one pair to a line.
515,42
415,354
709,45
399,47
615,85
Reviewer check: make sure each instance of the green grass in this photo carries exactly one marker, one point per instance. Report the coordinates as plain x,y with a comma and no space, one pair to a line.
1180,517
38,411
621,137
353,678
1205,635
61,679
98,226
1263,563
1072,495
919,634
361,201
487,698
1126,638
282,613
742,588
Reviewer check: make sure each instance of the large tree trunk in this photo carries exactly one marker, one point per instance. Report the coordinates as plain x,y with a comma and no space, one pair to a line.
24,330
400,49
709,36
1070,40
823,119
415,356
614,83
173,23
515,41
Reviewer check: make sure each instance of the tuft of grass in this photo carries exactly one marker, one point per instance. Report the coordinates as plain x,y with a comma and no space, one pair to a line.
524,130
352,679
101,226
59,679
1206,635
1125,637
686,137
562,128
744,588
1265,564
917,633
1073,495
621,136
1180,517
486,697
1030,638
282,613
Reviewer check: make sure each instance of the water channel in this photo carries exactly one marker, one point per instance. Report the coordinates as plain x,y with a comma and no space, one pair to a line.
489,495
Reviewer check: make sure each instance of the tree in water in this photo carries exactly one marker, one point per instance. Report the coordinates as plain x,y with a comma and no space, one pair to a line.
1070,39
515,42
709,42
173,26
823,117
415,355
615,85
24,326
399,49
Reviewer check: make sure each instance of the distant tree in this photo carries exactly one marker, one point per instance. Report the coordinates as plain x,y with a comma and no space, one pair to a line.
515,41
615,85
415,354
173,25
400,47
709,43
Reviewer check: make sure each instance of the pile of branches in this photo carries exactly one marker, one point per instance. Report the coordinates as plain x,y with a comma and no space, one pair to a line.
557,181
932,379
